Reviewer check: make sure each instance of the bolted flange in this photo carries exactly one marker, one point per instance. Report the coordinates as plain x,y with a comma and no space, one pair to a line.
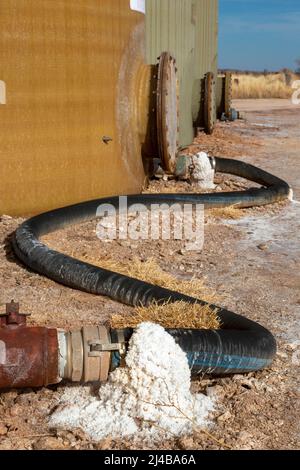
210,111
167,109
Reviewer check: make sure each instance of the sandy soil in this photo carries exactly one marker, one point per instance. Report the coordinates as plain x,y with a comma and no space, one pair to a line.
253,263
262,104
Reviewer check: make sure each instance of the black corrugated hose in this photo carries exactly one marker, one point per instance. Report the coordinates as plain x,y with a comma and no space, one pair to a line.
241,345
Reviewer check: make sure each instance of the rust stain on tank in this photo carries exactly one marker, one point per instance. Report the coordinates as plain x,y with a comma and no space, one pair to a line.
132,91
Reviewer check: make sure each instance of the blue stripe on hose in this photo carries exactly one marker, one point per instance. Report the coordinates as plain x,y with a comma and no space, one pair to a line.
115,360
226,361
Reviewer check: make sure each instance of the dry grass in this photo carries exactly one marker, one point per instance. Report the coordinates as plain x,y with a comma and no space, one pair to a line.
277,85
170,315
150,271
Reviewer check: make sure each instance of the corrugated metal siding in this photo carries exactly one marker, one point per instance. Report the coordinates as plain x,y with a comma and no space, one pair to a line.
206,47
189,30
206,50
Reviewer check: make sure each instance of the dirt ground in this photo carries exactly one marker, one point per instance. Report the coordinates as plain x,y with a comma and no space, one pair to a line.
252,262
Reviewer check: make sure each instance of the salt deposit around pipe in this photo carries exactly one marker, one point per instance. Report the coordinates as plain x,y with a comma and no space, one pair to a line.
147,399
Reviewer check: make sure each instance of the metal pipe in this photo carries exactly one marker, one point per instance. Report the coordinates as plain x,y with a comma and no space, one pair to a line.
28,355
33,356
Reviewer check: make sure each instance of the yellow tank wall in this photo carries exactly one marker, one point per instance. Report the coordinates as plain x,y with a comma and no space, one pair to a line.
70,68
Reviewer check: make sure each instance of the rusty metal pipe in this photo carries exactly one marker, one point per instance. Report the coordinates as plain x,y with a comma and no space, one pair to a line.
28,355
33,356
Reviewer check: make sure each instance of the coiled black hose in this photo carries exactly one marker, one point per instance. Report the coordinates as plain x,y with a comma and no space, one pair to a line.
240,346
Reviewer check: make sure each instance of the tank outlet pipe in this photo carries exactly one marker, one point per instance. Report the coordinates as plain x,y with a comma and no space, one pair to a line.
32,356
28,355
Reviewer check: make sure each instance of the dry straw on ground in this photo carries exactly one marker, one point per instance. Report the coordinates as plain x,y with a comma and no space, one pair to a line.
150,271
169,315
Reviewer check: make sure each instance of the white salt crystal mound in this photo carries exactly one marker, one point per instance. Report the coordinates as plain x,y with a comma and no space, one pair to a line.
148,398
202,171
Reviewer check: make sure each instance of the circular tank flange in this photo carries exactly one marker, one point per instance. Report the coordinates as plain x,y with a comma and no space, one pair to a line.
210,111
167,111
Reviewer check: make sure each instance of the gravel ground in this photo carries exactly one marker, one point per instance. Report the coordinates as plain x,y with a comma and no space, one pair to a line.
253,264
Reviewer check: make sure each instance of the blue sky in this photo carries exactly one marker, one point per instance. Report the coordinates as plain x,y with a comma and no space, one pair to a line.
259,34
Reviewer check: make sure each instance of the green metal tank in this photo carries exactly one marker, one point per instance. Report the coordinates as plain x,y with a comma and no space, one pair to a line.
188,29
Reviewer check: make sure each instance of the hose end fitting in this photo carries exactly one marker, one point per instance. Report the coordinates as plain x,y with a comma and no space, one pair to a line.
86,354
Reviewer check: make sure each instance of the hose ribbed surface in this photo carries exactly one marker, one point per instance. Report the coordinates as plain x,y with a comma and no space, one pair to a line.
240,346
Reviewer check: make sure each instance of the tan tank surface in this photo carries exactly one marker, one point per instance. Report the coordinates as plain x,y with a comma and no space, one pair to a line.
74,101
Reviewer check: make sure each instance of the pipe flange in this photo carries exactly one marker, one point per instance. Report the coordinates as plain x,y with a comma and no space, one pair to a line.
167,111
228,93
210,110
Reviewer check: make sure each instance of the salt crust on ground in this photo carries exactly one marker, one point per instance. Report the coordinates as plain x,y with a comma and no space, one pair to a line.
148,398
